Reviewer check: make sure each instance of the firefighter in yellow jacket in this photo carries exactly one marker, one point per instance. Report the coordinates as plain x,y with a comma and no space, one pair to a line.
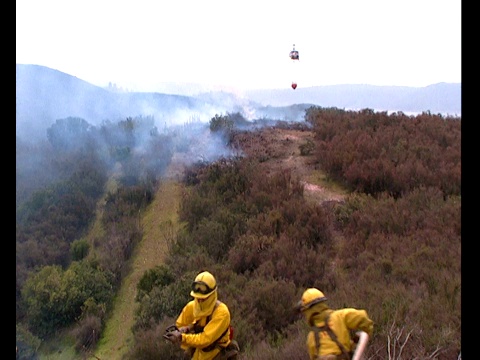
330,336
204,323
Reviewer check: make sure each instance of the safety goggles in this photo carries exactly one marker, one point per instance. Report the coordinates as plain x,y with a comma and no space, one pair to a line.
202,288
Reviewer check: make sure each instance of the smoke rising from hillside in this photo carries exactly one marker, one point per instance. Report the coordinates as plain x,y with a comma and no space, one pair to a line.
45,95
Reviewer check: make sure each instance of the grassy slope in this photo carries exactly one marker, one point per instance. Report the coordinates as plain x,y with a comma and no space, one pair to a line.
160,222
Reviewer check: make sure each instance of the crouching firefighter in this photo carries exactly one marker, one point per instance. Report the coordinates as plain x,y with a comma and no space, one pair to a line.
330,336
203,327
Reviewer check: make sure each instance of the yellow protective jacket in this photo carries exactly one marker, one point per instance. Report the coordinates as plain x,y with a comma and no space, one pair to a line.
341,322
218,325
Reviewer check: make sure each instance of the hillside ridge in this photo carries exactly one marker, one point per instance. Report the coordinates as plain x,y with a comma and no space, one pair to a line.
44,95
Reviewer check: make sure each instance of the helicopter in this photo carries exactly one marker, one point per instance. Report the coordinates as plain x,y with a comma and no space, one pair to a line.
294,55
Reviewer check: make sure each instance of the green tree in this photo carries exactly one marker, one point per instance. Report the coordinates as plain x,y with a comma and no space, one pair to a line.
79,249
69,133
55,297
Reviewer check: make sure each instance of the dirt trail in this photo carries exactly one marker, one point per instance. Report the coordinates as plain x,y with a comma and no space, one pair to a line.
282,147
160,222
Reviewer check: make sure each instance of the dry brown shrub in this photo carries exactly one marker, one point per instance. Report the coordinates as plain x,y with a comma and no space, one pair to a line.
149,345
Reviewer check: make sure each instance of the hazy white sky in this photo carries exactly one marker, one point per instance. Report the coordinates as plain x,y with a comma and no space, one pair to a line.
243,44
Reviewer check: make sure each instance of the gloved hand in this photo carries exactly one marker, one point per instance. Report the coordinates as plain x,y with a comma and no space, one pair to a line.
184,329
175,337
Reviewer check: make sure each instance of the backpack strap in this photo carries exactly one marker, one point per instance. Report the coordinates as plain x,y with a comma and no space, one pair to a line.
333,336
214,344
316,330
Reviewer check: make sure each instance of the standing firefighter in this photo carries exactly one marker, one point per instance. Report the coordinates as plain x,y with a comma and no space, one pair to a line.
329,338
203,327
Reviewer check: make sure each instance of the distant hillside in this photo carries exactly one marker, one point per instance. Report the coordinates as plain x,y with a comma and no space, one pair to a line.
44,95
440,98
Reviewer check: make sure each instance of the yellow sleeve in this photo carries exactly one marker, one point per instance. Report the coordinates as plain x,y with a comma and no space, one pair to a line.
186,316
358,320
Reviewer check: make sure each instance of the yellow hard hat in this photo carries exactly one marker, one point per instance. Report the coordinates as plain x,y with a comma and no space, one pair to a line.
310,297
204,285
